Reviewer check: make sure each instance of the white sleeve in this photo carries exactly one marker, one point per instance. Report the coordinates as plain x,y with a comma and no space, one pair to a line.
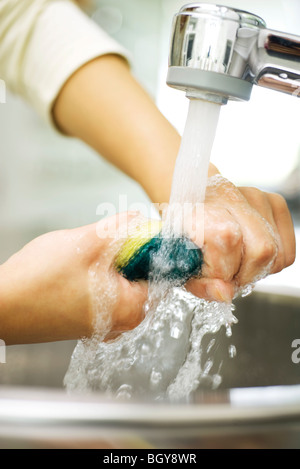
42,43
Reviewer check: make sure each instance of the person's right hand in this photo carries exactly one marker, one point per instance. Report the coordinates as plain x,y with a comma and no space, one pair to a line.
248,234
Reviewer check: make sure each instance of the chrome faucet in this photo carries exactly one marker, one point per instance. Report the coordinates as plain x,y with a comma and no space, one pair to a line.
218,53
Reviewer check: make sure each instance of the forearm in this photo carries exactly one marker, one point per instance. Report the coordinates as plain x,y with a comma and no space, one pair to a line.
79,74
103,105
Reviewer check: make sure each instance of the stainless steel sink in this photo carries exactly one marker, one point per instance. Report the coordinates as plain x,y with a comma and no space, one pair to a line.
256,406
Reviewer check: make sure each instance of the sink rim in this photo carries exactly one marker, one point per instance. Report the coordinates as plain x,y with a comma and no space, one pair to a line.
261,405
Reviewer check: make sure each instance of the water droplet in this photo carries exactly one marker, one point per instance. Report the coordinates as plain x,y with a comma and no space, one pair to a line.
127,364
216,381
179,314
232,351
158,340
207,366
210,345
247,290
155,377
156,326
228,330
124,392
176,330
145,349
183,266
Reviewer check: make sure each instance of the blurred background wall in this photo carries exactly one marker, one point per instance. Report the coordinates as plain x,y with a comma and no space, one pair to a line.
49,182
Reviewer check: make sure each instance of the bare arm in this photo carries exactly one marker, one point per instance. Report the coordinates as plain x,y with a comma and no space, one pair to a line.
104,106
115,116
44,288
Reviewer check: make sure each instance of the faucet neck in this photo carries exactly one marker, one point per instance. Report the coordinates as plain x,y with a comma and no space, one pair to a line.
222,52
276,61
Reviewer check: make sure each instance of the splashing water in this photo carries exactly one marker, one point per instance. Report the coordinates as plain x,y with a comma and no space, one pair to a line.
162,357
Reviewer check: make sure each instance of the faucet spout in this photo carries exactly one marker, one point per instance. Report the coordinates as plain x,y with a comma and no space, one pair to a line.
218,53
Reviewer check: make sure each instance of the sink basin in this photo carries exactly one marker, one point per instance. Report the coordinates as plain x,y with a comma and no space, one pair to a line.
256,406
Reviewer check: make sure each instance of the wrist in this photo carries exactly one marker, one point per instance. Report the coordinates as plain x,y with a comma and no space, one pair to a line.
42,294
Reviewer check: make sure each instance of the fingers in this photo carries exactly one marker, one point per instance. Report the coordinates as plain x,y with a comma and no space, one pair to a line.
260,202
260,246
274,210
223,243
212,289
248,234
284,223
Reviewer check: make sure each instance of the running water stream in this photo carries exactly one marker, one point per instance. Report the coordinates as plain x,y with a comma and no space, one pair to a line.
162,358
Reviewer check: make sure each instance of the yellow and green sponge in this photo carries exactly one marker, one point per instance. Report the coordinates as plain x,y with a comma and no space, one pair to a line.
146,251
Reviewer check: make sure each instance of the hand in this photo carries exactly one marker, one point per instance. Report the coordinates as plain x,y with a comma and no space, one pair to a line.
248,234
62,285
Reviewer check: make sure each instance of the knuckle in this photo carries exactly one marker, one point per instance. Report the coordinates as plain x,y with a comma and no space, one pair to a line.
252,194
278,201
290,259
283,260
279,264
266,251
228,238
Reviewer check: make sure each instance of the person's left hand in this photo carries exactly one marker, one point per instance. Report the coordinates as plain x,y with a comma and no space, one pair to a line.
63,285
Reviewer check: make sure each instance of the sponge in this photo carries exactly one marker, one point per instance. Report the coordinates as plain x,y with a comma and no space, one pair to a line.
146,251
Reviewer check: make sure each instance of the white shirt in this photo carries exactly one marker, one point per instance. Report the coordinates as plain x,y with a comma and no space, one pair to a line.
42,43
